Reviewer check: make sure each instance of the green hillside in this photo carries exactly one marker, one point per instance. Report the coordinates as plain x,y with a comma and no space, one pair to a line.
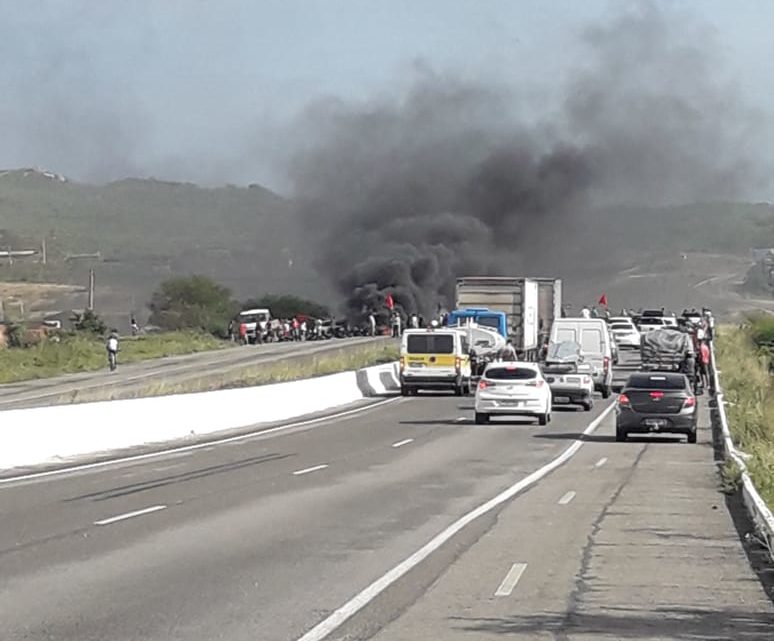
148,230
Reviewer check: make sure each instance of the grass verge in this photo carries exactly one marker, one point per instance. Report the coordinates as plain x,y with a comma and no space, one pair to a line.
749,395
82,354
284,369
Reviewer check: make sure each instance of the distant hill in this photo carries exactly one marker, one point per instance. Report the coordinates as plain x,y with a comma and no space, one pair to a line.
250,238
148,230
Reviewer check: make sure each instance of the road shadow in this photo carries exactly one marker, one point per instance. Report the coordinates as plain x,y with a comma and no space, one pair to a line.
754,548
677,623
182,477
446,421
576,436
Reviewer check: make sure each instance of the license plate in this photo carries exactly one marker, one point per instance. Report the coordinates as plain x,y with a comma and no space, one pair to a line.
561,399
416,364
655,422
510,402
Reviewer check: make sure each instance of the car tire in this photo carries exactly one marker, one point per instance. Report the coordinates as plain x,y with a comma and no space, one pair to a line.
404,391
691,437
458,390
482,419
543,419
620,435
588,406
607,391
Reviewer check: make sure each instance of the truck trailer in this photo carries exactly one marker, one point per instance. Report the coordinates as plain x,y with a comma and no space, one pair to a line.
529,304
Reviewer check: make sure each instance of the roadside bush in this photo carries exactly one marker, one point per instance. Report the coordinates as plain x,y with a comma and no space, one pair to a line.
89,322
750,401
761,329
192,302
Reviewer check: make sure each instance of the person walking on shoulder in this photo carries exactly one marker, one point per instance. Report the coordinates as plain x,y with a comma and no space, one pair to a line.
112,350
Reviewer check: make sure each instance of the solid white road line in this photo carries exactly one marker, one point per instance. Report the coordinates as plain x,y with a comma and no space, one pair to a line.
402,443
309,470
601,462
460,419
511,579
198,446
567,498
362,599
130,515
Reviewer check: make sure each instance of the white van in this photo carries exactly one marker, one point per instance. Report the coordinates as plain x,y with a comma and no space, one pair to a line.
594,339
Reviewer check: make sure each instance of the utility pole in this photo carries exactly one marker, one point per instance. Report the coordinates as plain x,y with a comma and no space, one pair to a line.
43,250
91,289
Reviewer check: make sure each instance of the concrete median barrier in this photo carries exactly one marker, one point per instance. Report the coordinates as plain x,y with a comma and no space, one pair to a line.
54,434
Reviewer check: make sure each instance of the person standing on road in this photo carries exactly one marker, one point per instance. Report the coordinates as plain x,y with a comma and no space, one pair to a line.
396,324
704,363
585,312
112,349
508,353
371,324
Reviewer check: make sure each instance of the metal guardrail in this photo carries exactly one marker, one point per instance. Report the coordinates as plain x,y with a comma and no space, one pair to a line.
759,512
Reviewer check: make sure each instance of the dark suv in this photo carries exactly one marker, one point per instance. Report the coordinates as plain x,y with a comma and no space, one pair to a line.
656,402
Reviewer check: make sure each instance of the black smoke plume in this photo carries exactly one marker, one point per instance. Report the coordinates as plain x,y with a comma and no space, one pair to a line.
447,179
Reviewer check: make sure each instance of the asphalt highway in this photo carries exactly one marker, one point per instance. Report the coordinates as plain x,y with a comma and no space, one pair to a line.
268,537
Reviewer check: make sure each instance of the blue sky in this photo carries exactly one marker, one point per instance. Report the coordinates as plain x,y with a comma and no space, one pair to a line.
208,91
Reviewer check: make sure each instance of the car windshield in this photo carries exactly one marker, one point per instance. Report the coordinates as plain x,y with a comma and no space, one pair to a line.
657,381
564,351
430,344
511,373
489,321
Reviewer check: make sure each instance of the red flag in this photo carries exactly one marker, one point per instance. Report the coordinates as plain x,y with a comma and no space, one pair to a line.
603,300
389,302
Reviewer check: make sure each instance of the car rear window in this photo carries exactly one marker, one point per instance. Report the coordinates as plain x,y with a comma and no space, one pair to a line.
624,326
430,344
657,381
510,373
651,321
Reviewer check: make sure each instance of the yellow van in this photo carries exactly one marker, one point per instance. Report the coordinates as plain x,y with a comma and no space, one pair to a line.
434,359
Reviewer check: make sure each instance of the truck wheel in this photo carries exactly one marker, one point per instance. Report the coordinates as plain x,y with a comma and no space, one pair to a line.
482,419
620,435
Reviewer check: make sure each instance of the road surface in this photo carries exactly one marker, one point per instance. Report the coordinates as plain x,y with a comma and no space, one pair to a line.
267,537
174,369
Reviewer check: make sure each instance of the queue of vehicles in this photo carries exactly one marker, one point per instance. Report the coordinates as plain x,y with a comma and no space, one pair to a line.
556,360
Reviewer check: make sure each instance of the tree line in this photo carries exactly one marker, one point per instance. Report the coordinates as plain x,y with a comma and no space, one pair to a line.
199,303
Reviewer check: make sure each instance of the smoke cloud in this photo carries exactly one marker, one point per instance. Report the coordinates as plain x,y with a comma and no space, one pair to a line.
449,177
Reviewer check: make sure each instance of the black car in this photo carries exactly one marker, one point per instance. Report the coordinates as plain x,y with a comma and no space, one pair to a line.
656,402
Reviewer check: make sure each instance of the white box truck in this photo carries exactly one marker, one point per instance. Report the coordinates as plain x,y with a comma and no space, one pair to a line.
530,306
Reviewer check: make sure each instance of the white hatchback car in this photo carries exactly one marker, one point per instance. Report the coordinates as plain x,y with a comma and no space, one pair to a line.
626,334
513,389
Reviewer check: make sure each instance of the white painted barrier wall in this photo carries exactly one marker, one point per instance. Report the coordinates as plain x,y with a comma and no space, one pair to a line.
52,434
